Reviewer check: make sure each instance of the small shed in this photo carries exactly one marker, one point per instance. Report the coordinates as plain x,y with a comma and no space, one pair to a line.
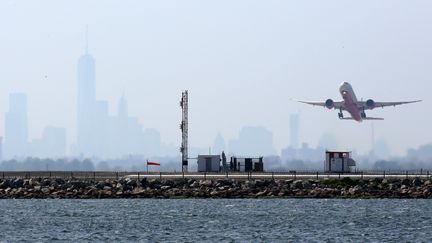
209,163
246,164
338,161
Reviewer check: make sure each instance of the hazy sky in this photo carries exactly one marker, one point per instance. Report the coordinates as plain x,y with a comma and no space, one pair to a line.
241,61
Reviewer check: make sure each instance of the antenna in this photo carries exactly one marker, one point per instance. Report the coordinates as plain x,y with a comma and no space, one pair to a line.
184,128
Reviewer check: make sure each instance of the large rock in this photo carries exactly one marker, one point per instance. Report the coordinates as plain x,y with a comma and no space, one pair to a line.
144,182
17,183
406,182
45,190
307,185
262,183
46,182
416,182
355,190
34,182
5,184
164,188
100,185
131,182
261,194
289,181
119,186
106,188
249,184
392,187
195,184
206,183
298,184
60,181
107,193
214,193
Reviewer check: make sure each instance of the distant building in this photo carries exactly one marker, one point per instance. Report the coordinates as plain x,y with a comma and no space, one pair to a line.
86,110
16,128
218,144
52,144
254,141
294,130
122,109
328,141
289,153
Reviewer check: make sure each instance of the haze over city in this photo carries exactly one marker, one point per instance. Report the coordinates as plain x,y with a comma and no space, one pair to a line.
215,121
242,63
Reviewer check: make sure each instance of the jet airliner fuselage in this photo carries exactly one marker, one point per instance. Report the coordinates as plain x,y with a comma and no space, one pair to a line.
355,108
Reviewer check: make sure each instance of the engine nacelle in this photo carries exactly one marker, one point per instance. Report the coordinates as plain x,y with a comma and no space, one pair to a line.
370,103
329,103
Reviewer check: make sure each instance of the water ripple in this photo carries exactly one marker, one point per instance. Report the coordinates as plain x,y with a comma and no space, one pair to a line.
209,220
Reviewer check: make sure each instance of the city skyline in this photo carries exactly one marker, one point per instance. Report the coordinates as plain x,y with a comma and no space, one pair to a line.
93,114
241,65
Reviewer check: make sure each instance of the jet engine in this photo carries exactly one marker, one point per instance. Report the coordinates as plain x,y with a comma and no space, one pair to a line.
370,103
329,103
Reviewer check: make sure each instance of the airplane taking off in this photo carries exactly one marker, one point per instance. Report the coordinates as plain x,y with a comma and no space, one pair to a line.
355,108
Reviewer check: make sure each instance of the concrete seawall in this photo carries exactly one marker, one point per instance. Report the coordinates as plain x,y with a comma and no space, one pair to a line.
221,188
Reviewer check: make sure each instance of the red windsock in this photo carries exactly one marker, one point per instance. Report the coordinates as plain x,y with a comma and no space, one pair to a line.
152,163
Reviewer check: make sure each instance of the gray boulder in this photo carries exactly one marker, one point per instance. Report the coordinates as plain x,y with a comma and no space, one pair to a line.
45,190
298,184
416,182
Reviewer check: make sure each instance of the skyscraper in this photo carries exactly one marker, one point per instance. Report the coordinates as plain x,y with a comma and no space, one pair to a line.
294,130
86,100
16,130
100,134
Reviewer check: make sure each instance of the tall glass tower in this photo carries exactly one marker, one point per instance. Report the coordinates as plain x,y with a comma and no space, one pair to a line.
86,101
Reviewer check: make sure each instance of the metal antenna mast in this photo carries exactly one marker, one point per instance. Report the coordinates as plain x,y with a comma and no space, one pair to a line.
184,129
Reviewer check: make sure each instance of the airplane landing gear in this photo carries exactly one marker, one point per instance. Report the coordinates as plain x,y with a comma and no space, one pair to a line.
363,114
340,114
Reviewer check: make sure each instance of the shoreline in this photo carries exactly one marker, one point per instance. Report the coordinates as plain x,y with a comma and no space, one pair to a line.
44,188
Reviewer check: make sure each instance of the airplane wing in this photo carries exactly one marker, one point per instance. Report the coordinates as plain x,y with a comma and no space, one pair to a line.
369,104
336,104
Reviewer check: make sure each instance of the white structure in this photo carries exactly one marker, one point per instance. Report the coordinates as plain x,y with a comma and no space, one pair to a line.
209,163
338,161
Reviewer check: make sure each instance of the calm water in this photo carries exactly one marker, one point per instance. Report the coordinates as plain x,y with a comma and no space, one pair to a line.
217,220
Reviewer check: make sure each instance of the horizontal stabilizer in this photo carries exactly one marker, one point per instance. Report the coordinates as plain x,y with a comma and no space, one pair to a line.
366,118
373,118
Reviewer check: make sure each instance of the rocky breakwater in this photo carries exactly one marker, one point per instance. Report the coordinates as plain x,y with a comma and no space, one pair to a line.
130,188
